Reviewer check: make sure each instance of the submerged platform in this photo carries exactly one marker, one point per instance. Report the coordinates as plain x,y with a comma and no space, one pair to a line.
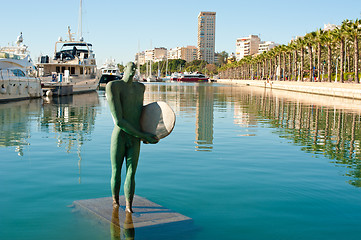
149,220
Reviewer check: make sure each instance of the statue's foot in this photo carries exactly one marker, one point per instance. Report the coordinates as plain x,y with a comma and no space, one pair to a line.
128,206
115,201
128,210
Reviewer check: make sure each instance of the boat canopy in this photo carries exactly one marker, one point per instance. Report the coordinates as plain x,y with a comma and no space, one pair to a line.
77,44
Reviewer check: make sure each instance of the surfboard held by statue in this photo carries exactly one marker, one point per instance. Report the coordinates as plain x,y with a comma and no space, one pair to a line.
157,118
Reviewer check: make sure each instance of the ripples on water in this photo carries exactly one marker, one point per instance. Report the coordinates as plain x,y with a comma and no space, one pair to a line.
242,162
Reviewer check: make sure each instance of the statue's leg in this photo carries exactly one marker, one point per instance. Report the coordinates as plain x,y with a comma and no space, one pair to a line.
117,151
132,157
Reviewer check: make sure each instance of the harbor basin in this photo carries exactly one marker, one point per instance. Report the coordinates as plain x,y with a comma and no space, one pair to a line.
242,162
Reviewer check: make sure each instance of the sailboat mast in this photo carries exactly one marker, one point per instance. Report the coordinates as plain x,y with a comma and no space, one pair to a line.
166,67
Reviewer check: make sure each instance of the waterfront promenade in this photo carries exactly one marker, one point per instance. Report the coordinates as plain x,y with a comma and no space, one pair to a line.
345,90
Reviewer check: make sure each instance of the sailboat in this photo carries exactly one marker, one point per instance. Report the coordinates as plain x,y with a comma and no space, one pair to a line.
150,77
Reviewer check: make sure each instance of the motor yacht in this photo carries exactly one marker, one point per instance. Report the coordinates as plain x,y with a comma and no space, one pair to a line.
17,72
71,70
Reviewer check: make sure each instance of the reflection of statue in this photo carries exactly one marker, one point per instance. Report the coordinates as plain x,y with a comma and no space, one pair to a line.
125,99
116,232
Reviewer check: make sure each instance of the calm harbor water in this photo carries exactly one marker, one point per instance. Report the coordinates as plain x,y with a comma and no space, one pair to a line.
243,163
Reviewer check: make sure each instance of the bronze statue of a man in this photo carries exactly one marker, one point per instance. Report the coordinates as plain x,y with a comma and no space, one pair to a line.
125,99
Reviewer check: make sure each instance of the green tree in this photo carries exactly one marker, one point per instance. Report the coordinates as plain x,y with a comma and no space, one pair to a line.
222,58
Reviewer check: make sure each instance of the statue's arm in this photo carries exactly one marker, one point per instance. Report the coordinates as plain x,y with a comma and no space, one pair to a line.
113,98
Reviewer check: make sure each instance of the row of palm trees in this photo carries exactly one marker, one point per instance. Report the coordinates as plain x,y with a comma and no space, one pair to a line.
322,55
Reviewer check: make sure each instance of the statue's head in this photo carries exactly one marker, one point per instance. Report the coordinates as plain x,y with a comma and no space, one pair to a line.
129,72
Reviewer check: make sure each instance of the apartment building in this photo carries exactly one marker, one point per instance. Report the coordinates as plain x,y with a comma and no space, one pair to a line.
206,36
140,58
188,53
247,46
265,46
160,54
174,53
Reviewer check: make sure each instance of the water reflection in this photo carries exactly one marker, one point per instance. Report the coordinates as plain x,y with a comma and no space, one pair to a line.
319,128
118,233
15,123
71,118
320,125
190,100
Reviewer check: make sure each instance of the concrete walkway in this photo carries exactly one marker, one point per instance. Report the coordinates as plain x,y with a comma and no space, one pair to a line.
345,90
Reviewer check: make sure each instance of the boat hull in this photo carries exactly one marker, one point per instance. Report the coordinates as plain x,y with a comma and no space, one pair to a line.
19,89
192,79
74,86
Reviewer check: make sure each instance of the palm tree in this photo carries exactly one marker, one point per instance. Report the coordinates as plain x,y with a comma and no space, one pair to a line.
293,72
310,40
319,34
353,30
339,35
289,69
301,43
283,51
327,39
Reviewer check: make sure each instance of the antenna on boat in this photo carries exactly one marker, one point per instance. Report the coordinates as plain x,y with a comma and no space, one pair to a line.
70,34
80,24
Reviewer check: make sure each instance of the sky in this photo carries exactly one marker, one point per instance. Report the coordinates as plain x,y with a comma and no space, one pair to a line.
119,29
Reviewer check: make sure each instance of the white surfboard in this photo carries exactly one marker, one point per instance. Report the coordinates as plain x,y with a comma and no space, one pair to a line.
157,118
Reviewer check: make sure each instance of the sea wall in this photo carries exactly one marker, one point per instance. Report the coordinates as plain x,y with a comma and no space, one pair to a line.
345,90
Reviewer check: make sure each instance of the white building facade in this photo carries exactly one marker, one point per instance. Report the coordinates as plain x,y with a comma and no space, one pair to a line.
247,46
266,46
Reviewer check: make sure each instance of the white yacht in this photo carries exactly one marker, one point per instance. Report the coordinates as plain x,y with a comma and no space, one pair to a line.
71,70
17,72
109,72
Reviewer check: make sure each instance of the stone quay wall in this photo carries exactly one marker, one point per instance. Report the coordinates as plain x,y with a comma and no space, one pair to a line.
345,90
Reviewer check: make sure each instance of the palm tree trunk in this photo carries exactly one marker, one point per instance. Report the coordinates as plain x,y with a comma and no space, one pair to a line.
295,65
342,59
310,58
356,59
319,62
301,71
275,69
289,74
283,66
279,66
329,62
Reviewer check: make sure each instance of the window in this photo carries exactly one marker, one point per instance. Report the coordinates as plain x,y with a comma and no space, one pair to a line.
18,73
